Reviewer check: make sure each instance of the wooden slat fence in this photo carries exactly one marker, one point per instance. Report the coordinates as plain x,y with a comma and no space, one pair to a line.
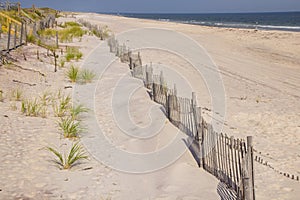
12,36
227,158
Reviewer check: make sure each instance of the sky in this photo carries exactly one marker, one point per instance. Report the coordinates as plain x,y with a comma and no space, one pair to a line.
168,6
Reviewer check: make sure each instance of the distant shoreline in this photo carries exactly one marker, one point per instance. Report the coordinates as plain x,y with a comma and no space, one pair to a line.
280,21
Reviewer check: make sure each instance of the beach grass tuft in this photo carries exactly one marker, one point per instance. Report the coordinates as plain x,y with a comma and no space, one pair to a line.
73,53
68,161
73,74
61,107
31,38
70,127
75,111
86,76
31,107
67,34
16,94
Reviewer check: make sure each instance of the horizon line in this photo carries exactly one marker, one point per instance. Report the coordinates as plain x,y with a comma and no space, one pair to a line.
239,12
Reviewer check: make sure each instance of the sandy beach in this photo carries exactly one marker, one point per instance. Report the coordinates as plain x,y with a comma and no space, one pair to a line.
260,71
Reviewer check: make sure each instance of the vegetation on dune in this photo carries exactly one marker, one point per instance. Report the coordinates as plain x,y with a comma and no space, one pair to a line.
72,74
73,53
16,94
70,24
31,38
70,127
48,32
75,111
31,107
68,161
67,34
86,76
62,106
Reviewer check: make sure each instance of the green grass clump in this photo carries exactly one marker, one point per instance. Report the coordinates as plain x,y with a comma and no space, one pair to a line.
62,107
16,94
47,32
31,38
67,34
75,111
68,161
73,53
86,76
68,24
62,63
73,73
70,127
31,107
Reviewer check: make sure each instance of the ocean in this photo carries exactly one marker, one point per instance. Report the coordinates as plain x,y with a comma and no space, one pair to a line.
289,21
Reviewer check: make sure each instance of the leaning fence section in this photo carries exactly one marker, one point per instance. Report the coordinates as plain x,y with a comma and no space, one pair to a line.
12,35
227,158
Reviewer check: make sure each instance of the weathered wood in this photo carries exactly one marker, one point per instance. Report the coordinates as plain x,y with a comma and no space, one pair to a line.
55,61
15,36
202,143
236,165
250,166
232,163
215,159
26,34
22,33
9,35
56,39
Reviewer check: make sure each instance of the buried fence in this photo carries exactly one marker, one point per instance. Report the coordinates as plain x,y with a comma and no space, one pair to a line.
227,158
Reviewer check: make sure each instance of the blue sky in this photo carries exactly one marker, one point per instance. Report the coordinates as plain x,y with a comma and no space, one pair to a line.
168,6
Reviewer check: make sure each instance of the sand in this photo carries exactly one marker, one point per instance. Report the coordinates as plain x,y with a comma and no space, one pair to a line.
260,72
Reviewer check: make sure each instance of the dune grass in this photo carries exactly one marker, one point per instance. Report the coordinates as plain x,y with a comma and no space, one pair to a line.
75,154
70,127
86,76
31,107
70,24
69,33
16,94
73,53
62,106
31,38
62,63
75,111
73,74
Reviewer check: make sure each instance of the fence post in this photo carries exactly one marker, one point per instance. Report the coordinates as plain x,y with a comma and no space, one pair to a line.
146,76
202,142
56,39
55,61
140,59
21,34
8,39
25,33
248,171
250,165
150,76
15,36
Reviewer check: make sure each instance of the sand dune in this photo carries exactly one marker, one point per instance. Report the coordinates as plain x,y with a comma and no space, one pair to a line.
260,72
